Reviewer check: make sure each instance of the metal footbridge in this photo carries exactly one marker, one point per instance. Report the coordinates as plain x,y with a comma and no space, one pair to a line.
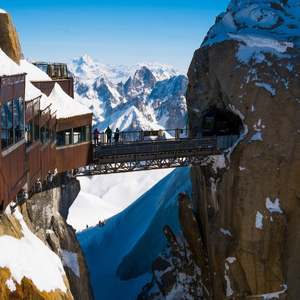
138,151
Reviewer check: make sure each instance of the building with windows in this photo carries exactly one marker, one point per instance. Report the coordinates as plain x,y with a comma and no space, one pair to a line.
40,135
73,131
56,73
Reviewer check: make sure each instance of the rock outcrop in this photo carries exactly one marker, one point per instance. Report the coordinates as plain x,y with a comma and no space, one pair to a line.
48,212
247,200
28,268
38,247
176,273
9,40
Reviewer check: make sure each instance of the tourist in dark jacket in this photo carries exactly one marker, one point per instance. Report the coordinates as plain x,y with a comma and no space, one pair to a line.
117,135
108,134
96,136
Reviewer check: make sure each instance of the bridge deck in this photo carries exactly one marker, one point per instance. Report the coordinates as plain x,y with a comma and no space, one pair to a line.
148,155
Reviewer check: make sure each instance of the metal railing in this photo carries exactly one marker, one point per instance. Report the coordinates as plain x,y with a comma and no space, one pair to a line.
150,136
141,136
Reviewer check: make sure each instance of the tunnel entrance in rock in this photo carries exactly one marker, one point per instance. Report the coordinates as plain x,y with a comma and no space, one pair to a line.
223,124
219,122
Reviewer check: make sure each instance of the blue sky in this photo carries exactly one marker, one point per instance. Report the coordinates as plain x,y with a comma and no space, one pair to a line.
114,31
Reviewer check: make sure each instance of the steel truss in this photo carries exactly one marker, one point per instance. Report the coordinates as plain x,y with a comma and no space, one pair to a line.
149,161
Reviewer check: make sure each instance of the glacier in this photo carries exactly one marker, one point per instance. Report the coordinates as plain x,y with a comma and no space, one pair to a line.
120,254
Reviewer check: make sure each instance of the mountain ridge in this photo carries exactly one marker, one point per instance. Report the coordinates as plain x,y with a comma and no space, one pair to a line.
141,97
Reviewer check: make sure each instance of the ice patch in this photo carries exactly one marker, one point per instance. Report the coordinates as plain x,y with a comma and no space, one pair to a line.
217,162
259,221
275,295
70,260
229,290
213,188
257,136
273,207
226,232
231,260
268,87
10,284
253,47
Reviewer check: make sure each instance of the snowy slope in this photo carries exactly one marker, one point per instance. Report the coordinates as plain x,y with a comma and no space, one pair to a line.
102,197
120,96
17,256
129,242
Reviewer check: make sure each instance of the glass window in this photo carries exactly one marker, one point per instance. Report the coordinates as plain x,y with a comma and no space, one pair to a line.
18,121
60,138
79,135
68,137
73,136
64,71
43,67
7,133
64,138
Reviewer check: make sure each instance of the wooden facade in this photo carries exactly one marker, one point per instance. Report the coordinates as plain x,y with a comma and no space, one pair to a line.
12,164
33,157
73,156
73,122
46,87
13,171
76,155
12,87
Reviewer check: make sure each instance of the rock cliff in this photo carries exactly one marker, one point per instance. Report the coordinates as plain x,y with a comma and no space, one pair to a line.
41,257
9,41
247,200
177,272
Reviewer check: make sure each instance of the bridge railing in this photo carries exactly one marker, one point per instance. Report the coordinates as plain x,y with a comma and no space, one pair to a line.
143,136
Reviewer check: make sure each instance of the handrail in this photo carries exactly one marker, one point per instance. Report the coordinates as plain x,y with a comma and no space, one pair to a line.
141,135
153,130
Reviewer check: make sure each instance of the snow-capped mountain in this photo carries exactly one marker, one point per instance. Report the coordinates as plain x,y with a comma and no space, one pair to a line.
145,96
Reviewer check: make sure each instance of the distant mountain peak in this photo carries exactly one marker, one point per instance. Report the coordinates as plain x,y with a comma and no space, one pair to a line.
144,96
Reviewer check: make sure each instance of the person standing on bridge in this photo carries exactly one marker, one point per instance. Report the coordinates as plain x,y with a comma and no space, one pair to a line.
108,134
117,136
96,136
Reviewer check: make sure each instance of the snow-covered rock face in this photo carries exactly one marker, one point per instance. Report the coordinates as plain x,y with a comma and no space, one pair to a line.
168,100
145,96
140,84
23,261
275,23
249,63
